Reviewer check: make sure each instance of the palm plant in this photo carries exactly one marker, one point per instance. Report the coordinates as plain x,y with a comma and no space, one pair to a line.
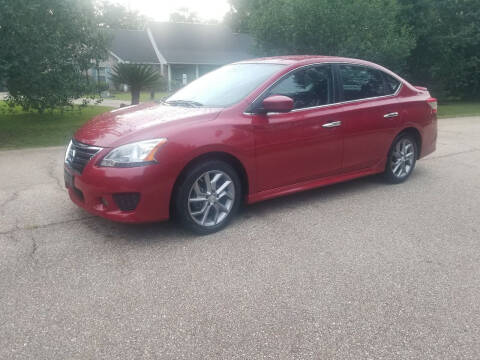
137,77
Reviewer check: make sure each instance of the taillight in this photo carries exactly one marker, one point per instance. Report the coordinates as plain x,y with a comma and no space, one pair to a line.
433,104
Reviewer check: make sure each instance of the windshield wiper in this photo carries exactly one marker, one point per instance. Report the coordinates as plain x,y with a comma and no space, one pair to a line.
188,103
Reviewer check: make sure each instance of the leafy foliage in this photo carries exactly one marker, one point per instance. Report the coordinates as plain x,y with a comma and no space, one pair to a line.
46,47
183,14
447,55
435,43
366,29
239,14
137,77
116,16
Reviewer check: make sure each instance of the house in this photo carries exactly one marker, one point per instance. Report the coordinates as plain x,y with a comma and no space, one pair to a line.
182,51
129,46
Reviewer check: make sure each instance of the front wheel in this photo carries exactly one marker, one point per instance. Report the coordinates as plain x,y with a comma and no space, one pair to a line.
401,159
208,197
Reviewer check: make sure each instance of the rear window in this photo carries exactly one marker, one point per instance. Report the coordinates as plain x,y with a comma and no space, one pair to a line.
361,82
392,84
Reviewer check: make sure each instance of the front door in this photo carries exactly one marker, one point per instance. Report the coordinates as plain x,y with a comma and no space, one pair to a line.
305,143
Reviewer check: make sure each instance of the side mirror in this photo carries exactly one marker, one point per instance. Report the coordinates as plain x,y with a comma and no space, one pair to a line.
277,103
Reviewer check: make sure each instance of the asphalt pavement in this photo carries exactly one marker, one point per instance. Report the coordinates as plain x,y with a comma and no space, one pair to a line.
360,270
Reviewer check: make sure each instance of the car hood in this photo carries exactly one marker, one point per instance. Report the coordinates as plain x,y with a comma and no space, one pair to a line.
139,122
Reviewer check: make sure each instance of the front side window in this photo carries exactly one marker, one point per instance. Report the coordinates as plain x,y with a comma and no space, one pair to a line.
308,87
361,82
225,86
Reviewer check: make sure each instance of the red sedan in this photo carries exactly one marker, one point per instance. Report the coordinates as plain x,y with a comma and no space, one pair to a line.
247,132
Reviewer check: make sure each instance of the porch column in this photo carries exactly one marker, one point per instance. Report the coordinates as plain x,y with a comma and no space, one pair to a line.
169,70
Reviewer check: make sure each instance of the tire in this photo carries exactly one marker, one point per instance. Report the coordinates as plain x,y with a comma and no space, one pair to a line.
401,159
219,200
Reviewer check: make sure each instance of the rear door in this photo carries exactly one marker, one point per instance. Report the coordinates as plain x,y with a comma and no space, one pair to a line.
370,114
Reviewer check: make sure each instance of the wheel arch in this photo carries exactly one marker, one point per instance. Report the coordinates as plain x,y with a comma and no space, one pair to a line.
415,133
214,155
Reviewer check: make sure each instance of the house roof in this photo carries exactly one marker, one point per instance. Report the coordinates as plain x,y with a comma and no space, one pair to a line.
187,43
133,46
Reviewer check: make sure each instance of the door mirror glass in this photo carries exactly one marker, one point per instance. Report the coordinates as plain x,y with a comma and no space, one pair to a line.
277,103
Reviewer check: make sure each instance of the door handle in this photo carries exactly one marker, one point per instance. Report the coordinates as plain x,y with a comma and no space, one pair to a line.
390,115
332,124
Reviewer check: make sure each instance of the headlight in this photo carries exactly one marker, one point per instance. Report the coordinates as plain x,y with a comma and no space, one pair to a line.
134,154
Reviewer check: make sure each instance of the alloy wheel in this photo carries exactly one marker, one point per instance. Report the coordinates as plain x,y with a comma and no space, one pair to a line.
403,158
211,198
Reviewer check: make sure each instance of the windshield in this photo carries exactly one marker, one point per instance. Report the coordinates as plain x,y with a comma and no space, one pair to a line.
225,86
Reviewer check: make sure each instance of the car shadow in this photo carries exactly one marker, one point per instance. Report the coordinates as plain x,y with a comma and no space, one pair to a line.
170,231
329,193
324,194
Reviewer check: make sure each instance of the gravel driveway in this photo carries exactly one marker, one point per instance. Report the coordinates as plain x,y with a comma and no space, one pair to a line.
360,270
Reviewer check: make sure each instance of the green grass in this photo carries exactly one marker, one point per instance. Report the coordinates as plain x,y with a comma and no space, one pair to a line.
457,109
20,129
144,96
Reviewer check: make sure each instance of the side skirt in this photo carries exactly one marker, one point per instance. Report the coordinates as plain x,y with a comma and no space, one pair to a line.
311,184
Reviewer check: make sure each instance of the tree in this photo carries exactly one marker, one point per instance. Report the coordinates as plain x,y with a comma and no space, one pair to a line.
367,29
46,47
138,77
446,57
184,15
116,16
238,16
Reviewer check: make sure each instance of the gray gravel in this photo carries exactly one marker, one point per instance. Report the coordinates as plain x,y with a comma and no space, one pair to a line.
360,270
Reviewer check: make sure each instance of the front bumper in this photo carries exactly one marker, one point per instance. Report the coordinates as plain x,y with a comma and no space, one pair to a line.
95,188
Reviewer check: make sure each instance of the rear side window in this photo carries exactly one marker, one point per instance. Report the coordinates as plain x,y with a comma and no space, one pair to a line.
361,82
392,84
308,87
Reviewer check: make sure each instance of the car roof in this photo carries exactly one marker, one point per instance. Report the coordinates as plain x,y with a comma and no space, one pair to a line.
294,61
305,60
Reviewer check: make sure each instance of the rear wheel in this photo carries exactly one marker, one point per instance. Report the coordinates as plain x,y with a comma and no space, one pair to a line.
401,159
208,197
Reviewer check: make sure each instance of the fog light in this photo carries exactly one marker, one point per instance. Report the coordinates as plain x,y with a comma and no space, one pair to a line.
126,201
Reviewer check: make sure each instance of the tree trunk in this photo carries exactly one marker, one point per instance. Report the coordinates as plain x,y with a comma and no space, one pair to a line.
97,71
135,96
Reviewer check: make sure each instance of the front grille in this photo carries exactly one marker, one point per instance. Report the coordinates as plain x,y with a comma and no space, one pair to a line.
79,154
127,201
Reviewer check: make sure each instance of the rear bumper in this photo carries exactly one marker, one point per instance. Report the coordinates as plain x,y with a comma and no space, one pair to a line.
429,138
94,190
